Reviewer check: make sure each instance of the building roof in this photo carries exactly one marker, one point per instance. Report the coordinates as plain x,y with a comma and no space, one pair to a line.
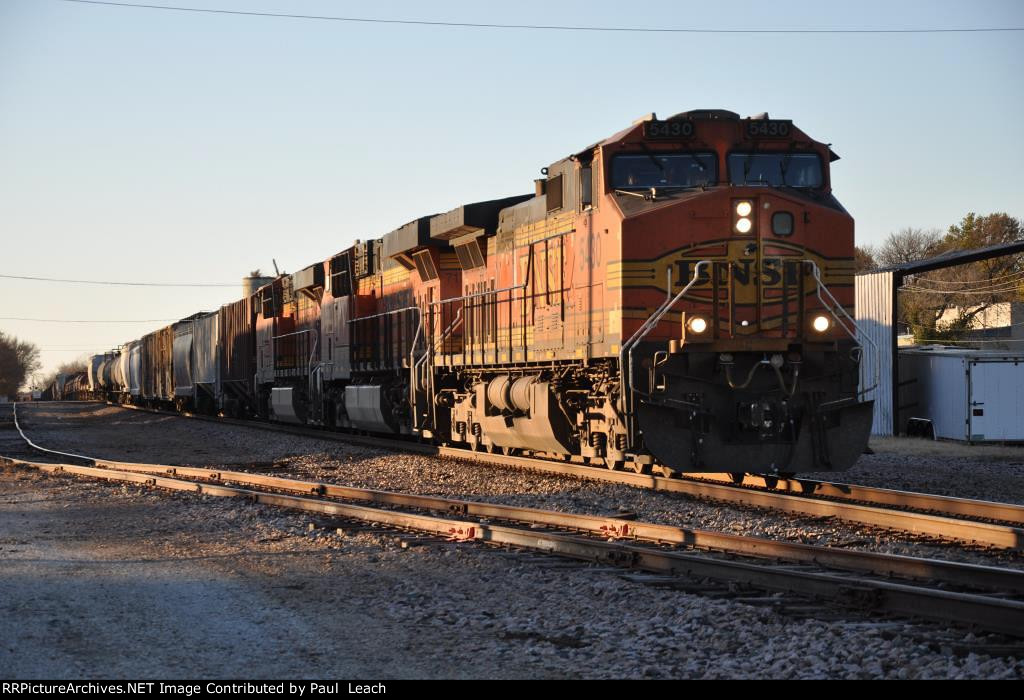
953,258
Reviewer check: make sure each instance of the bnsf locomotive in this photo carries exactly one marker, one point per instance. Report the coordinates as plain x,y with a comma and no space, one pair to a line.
677,295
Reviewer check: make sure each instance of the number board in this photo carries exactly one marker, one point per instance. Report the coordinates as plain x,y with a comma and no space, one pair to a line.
668,130
769,128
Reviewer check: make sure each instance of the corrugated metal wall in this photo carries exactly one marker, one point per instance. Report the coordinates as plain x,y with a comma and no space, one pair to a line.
205,352
875,314
238,348
182,350
157,365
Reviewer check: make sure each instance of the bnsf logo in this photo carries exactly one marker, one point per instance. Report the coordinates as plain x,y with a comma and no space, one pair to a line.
773,272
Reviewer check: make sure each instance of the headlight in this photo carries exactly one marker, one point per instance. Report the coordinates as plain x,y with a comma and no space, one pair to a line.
821,323
743,216
697,324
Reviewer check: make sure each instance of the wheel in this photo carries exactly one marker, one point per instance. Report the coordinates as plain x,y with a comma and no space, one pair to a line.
638,468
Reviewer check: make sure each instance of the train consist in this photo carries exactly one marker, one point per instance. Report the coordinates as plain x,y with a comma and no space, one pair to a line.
67,386
677,295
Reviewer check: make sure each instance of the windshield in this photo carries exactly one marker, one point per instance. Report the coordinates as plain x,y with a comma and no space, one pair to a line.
775,169
646,170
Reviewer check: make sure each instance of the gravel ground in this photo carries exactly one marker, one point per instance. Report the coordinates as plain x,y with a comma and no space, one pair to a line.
103,581
993,473
115,433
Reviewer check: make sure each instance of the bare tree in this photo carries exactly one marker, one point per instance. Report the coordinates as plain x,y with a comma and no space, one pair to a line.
909,245
18,360
80,364
966,290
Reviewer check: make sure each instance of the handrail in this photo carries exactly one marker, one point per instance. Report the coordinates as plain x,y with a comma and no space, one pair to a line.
439,345
831,308
312,367
626,353
484,293
316,339
384,313
412,364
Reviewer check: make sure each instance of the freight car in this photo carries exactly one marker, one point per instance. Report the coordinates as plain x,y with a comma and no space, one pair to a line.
677,295
72,386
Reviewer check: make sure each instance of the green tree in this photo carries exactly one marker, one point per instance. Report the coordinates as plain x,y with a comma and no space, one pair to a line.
18,360
864,259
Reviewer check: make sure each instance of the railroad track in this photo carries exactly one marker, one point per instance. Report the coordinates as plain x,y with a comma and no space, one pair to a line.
985,597
976,522
12,443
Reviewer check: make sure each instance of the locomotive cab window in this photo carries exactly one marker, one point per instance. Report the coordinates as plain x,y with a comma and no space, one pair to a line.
341,275
271,301
775,169
646,170
586,186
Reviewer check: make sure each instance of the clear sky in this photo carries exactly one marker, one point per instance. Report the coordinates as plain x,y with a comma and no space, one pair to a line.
182,147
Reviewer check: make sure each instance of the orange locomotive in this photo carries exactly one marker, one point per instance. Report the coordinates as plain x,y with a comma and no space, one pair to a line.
678,295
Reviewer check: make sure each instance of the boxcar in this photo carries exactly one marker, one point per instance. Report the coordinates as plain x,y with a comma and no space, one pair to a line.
237,359
157,366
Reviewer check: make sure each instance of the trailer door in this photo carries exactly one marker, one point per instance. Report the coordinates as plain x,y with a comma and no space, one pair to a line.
996,410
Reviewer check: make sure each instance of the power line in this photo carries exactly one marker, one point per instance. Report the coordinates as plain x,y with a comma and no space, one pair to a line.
943,341
123,284
990,291
959,292
1019,273
546,27
98,320
978,287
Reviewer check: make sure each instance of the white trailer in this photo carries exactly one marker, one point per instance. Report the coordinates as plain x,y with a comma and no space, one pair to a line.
967,395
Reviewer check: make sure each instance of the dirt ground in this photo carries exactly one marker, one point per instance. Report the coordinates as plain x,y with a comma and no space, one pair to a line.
100,583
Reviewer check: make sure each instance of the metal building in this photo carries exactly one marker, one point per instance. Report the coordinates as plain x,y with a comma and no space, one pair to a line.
875,300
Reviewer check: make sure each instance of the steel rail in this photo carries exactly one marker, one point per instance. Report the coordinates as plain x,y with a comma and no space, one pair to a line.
947,505
955,573
869,562
991,613
945,527
933,503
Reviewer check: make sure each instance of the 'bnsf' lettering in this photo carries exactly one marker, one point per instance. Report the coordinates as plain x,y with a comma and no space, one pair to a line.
773,271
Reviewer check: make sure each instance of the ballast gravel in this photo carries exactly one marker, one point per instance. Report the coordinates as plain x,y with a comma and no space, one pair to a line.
108,581
123,434
274,593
